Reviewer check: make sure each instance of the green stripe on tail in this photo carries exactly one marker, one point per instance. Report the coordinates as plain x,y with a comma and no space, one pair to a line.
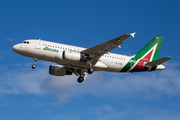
156,40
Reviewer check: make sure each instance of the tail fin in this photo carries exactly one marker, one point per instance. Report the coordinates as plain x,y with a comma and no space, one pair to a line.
147,54
151,51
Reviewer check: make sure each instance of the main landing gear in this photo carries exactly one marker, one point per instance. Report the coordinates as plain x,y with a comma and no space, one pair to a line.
34,65
90,70
82,74
80,79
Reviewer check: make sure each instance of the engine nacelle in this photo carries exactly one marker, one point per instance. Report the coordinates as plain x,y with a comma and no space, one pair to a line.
59,55
71,56
58,70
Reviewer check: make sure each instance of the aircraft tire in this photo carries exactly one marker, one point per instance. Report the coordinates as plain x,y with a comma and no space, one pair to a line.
90,70
80,79
33,66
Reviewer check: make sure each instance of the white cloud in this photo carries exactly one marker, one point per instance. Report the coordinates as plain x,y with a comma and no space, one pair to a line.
22,80
145,113
105,85
10,39
59,86
66,117
145,85
107,112
5,53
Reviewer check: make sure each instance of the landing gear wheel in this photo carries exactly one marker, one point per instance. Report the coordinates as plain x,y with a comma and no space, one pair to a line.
80,79
90,70
33,66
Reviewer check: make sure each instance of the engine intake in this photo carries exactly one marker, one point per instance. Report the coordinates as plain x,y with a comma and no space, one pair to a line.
58,70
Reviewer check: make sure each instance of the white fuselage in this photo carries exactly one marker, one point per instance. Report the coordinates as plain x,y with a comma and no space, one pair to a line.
48,51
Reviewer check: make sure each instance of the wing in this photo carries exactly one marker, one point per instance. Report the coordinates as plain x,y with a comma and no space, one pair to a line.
97,51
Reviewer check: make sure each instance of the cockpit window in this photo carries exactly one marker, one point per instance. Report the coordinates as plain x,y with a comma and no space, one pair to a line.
26,42
23,42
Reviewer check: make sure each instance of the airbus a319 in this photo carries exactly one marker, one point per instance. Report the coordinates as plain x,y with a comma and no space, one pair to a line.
80,61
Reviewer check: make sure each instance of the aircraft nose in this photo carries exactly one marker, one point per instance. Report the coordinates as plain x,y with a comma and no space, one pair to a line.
15,48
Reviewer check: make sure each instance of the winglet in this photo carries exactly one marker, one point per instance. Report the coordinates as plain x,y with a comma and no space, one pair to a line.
132,34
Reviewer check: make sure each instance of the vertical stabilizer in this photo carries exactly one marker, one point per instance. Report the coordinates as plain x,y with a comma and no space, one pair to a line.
147,54
152,49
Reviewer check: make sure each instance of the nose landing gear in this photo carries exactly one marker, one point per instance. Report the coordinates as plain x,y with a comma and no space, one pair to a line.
34,65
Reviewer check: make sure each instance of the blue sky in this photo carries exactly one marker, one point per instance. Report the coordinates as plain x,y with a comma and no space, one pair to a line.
34,94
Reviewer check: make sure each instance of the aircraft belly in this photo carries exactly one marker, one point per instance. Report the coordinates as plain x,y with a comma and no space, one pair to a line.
75,65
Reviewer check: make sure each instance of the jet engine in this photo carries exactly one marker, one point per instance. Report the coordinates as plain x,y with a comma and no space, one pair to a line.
59,55
71,56
58,70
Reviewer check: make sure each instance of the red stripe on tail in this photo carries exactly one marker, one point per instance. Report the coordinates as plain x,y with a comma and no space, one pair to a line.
140,65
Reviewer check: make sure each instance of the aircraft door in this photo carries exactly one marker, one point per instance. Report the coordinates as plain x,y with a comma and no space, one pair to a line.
38,44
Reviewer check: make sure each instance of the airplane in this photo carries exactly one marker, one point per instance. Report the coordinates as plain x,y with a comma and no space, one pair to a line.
80,61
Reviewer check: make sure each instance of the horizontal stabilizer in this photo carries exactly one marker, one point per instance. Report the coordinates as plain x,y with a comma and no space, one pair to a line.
157,62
